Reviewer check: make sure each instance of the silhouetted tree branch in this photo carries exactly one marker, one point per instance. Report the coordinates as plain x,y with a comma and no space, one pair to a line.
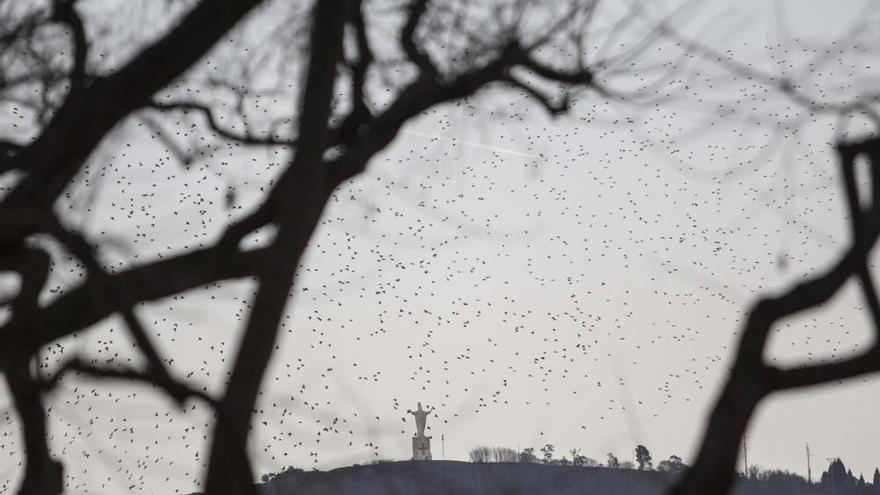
245,137
79,308
331,145
65,12
57,153
177,390
751,379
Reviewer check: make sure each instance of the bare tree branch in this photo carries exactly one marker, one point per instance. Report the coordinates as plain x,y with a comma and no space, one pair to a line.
58,153
302,202
176,389
246,138
807,376
360,111
552,107
424,93
415,12
294,205
65,11
750,379
81,307
119,296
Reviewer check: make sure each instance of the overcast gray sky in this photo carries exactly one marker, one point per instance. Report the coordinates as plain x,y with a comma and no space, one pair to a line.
573,281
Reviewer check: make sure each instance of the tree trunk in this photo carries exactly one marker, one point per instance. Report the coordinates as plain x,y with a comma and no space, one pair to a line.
42,475
714,470
296,213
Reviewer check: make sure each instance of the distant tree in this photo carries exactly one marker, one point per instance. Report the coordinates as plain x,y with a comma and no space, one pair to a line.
780,481
754,472
581,460
266,477
876,481
493,454
861,479
528,455
563,462
612,461
671,465
504,454
838,476
548,450
643,458
479,454
627,465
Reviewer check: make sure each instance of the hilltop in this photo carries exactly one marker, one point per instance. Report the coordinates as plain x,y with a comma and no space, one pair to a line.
465,478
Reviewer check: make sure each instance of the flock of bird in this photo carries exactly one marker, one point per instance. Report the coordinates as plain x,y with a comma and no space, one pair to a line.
577,281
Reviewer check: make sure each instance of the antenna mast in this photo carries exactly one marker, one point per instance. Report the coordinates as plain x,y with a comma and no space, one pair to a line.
809,473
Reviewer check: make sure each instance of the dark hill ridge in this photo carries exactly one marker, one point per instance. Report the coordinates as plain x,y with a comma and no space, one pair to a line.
465,478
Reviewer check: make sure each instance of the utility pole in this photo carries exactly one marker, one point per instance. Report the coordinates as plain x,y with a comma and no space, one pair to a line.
745,457
809,473
443,445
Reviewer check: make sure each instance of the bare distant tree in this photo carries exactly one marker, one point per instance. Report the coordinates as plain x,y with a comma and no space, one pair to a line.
643,458
505,454
480,454
492,454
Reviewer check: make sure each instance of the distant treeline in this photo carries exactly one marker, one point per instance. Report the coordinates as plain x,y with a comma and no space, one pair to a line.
835,479
503,470
545,455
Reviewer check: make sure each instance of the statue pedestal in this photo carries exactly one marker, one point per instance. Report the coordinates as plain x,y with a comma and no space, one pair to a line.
421,448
